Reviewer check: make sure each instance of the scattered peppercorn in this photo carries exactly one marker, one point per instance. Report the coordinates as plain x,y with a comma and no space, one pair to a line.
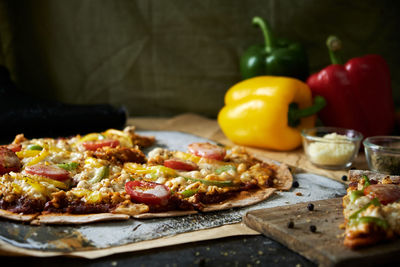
313,228
310,206
344,178
295,184
290,224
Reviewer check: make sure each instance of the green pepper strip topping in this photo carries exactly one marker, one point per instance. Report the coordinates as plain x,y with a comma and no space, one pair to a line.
356,194
189,192
34,147
356,214
369,219
367,181
100,174
210,182
359,193
225,168
68,166
151,176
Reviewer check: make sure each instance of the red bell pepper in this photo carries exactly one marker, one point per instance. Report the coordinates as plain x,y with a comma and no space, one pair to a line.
358,94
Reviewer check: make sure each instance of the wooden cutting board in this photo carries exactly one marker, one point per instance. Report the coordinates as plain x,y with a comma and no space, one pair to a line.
325,245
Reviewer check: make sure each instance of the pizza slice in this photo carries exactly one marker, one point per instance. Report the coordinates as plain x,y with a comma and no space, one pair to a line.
371,208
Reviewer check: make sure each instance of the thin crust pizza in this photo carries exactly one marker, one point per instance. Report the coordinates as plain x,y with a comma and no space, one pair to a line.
106,176
371,208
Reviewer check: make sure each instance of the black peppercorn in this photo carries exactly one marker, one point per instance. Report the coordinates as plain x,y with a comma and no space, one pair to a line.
344,178
295,184
313,228
310,206
290,224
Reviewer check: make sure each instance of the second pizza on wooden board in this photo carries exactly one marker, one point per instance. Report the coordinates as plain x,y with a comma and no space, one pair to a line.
371,208
106,176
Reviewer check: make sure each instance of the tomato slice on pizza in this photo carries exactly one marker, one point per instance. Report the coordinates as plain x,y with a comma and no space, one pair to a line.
207,150
385,193
181,165
148,192
50,171
94,145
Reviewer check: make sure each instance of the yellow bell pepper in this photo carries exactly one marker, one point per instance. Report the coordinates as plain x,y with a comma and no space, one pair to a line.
156,170
91,137
93,162
17,189
27,153
56,183
268,112
39,157
187,156
94,197
91,197
122,137
81,192
34,180
37,186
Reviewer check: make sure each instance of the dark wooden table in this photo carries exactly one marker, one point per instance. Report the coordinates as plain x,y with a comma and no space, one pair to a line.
230,251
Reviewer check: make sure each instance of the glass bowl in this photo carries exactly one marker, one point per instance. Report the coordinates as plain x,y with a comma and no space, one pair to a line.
383,154
330,147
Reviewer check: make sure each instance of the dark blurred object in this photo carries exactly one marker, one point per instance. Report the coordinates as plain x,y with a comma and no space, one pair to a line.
35,117
277,57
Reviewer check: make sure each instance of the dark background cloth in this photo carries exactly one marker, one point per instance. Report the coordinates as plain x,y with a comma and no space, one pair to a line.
161,58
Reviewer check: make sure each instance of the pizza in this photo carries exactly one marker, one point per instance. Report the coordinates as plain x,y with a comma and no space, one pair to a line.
371,208
106,176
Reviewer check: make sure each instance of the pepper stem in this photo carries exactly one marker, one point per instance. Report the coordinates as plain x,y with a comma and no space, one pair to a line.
295,114
334,45
266,30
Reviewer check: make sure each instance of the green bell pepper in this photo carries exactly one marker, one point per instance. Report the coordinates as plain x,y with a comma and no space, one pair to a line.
189,192
34,147
210,182
277,57
225,168
356,214
359,193
382,223
356,194
102,173
69,166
